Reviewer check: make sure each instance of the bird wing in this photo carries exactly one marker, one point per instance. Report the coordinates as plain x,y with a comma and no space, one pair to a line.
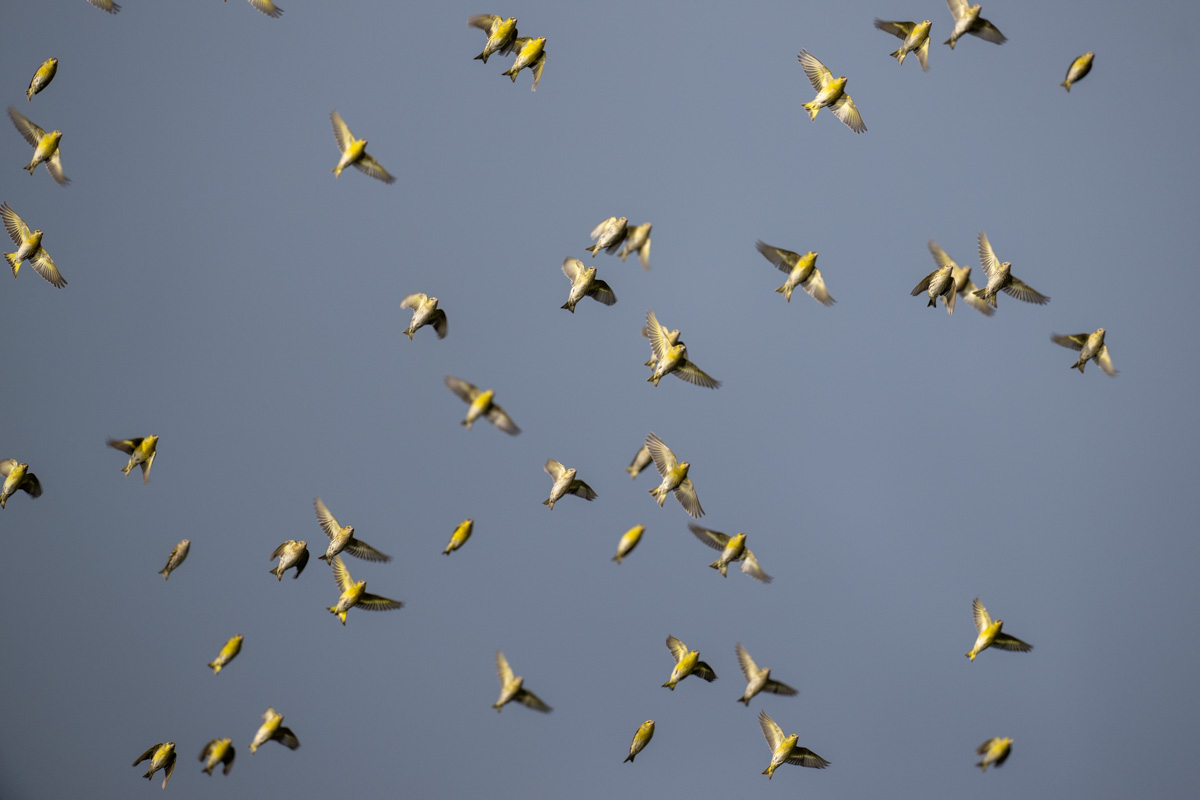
717,541
1023,291
988,32
602,292
497,416
1006,642
268,8
466,391
987,256
484,22
939,256
326,520
360,549
208,749
923,55
278,551
749,668
554,468
654,332
54,166
602,227
644,255
369,166
572,267
1105,362
783,260
6,466
897,29
31,485
581,489
957,7
703,670
414,301
982,618
148,754
924,284
438,321
537,78
32,133
269,714
285,737
817,74
503,669
341,132
975,302
301,563
528,698
43,264
230,754
16,227
751,567
803,757
124,445
341,574
775,687
770,730
845,110
983,748
1075,341
685,493
664,459
373,602
815,286
688,371
678,649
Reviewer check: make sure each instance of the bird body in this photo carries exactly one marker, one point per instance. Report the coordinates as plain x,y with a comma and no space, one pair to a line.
29,246
637,240
17,477
267,7
45,146
1079,67
1001,279
939,284
687,662
915,36
531,54
512,688
292,553
354,152
641,460
162,756
831,93
218,751
341,538
1091,347
758,680
141,450
801,271
629,540
178,554
609,235
272,728
460,536
641,738
967,20
784,749
227,654
354,593
502,34
479,404
674,478
584,284
41,79
425,312
994,751
991,635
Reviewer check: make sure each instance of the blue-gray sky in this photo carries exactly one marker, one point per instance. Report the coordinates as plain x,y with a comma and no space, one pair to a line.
888,462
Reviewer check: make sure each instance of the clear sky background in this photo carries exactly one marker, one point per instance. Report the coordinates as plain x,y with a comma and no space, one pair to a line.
888,462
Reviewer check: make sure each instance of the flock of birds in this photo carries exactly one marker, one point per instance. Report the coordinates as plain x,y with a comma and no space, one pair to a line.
669,356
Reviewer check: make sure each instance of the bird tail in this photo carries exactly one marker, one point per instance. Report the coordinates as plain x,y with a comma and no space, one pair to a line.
617,558
744,700
512,73
148,775
812,109
547,502
983,295
1079,366
951,41
31,168
932,302
786,291
166,573
216,668
719,567
628,758
661,497
126,469
1065,84
982,766
13,262
669,685
567,305
278,573
971,655
654,379
466,422
483,56
408,333
899,55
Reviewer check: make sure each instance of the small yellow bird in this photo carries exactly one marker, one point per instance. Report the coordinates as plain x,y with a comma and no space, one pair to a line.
110,7
355,594
342,538
637,240
733,548
1079,67
565,483
41,79
141,450
964,287
354,152
784,749
218,751
480,405
585,284
425,312
512,688
17,477
915,36
227,654
1000,279
758,680
645,733
502,34
990,635
266,7
45,146
162,756
674,478
967,20
641,460
291,553
609,235
531,54
687,662
801,271
1091,347
273,728
671,359
29,246
460,536
831,93
939,285
629,541
994,751
178,554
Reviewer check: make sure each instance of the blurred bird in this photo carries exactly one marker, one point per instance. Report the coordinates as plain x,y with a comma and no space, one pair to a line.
218,751
460,536
641,460
291,553
141,450
990,635
758,680
831,93
17,477
1001,280
801,271
629,541
502,34
994,751
784,749
227,654
609,235
29,246
512,688
354,594
272,728
266,7
112,8
584,284
480,404
531,54
674,478
1079,67
967,20
45,146
425,312
637,240
178,554
354,153
963,285
938,284
1092,348
342,538
162,756
672,359
915,36
687,662
733,548
565,483
41,79
645,733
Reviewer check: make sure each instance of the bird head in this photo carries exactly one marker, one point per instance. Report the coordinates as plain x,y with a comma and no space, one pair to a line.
349,529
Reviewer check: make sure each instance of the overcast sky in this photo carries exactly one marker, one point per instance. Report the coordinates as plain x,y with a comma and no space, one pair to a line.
888,462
